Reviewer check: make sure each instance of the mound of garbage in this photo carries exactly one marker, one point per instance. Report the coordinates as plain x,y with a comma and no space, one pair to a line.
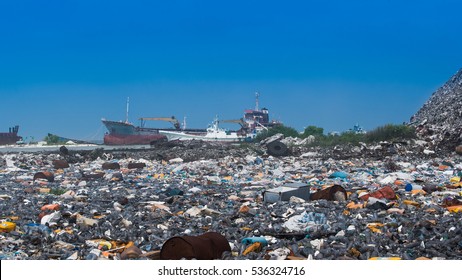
439,121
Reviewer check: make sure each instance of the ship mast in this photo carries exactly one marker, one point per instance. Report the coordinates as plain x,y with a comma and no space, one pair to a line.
128,106
257,95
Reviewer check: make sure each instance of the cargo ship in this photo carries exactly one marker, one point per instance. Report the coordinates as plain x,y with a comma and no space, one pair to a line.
252,123
11,137
126,133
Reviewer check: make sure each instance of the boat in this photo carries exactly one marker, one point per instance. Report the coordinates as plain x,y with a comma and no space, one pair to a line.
126,133
11,137
213,134
256,120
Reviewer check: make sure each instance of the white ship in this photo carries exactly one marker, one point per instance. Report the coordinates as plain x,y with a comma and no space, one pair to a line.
213,133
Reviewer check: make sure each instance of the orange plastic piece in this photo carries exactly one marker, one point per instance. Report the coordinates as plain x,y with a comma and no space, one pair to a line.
399,183
51,207
374,227
256,247
416,192
353,205
455,209
244,209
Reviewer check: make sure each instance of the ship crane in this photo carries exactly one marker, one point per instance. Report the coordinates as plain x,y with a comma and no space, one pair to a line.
172,120
239,121
244,125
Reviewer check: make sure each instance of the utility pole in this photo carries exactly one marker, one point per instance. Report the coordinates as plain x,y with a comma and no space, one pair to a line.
257,95
128,106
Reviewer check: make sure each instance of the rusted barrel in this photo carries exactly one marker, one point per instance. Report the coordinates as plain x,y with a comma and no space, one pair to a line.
111,165
60,164
136,165
208,246
334,193
50,177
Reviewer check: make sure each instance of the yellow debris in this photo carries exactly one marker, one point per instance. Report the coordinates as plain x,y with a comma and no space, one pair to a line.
455,180
417,192
455,209
44,190
410,202
353,205
7,226
256,247
374,227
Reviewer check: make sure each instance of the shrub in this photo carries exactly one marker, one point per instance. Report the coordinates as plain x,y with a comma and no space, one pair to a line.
52,139
313,130
391,132
333,140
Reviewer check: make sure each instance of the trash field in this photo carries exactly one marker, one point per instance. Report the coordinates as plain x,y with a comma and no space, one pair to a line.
203,201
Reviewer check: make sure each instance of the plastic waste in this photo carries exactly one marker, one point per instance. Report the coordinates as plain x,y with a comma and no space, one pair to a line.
339,175
252,240
410,187
6,226
37,229
307,222
255,247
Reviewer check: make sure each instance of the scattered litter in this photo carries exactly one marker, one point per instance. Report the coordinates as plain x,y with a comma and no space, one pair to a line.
223,202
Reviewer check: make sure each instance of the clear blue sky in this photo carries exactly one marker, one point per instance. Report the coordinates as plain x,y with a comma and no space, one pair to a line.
66,64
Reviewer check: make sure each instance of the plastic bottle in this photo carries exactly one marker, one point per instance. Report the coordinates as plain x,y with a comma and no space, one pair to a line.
410,187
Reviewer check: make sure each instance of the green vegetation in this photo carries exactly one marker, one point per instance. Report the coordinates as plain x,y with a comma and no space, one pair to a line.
389,132
285,130
312,130
57,191
52,139
332,140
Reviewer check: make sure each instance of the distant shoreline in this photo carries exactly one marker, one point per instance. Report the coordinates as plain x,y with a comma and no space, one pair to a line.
51,148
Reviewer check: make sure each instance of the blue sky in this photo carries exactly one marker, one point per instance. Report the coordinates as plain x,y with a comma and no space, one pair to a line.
64,65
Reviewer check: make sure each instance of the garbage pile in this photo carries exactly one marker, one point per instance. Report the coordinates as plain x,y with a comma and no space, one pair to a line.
439,121
198,202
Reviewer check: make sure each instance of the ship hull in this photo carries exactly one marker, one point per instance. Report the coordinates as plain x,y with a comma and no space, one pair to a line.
181,136
123,139
123,133
8,138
